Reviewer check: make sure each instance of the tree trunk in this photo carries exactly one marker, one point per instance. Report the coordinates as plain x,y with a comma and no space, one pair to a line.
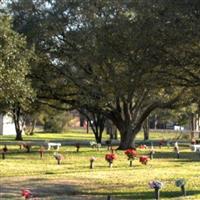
127,138
97,122
18,135
192,126
16,118
33,123
98,137
146,129
87,127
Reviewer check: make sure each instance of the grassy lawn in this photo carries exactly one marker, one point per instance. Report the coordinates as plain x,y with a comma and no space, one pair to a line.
81,135
73,178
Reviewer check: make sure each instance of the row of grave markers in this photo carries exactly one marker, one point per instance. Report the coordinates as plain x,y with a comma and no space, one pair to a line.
94,145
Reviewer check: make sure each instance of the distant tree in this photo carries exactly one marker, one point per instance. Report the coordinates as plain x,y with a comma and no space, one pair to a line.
15,88
96,121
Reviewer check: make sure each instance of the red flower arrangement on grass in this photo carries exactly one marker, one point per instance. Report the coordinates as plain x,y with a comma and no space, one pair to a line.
143,146
77,145
144,159
131,154
26,193
110,157
193,141
4,151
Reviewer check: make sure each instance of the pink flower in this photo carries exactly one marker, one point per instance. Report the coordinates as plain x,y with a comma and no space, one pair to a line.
92,159
26,193
143,146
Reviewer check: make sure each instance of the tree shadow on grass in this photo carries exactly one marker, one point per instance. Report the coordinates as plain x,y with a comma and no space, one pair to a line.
41,188
150,195
54,189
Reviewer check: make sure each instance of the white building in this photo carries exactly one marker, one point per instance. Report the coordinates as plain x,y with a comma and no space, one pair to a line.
7,126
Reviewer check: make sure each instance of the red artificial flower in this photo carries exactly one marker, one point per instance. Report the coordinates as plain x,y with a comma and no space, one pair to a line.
27,194
5,149
193,141
144,159
143,146
131,153
110,157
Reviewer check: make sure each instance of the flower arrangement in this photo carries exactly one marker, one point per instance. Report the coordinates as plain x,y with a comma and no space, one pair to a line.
157,186
4,151
151,153
110,157
26,193
144,159
193,141
131,154
161,143
181,183
93,144
27,147
168,144
41,151
143,146
77,145
58,157
176,149
92,159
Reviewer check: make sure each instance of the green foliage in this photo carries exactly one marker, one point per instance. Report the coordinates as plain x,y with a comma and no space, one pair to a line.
15,88
16,93
121,59
56,121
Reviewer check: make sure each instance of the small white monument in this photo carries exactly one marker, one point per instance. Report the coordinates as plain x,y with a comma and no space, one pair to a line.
7,126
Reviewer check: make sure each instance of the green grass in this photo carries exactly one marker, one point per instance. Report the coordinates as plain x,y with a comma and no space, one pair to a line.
81,135
73,177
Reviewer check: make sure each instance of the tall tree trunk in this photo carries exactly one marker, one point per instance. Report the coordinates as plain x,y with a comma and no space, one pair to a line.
96,122
97,127
33,123
87,126
16,118
192,122
127,138
146,129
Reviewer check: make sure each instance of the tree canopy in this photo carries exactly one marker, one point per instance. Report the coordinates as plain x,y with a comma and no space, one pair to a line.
120,59
15,88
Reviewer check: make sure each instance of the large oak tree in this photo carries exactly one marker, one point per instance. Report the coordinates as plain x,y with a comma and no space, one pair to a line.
120,59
